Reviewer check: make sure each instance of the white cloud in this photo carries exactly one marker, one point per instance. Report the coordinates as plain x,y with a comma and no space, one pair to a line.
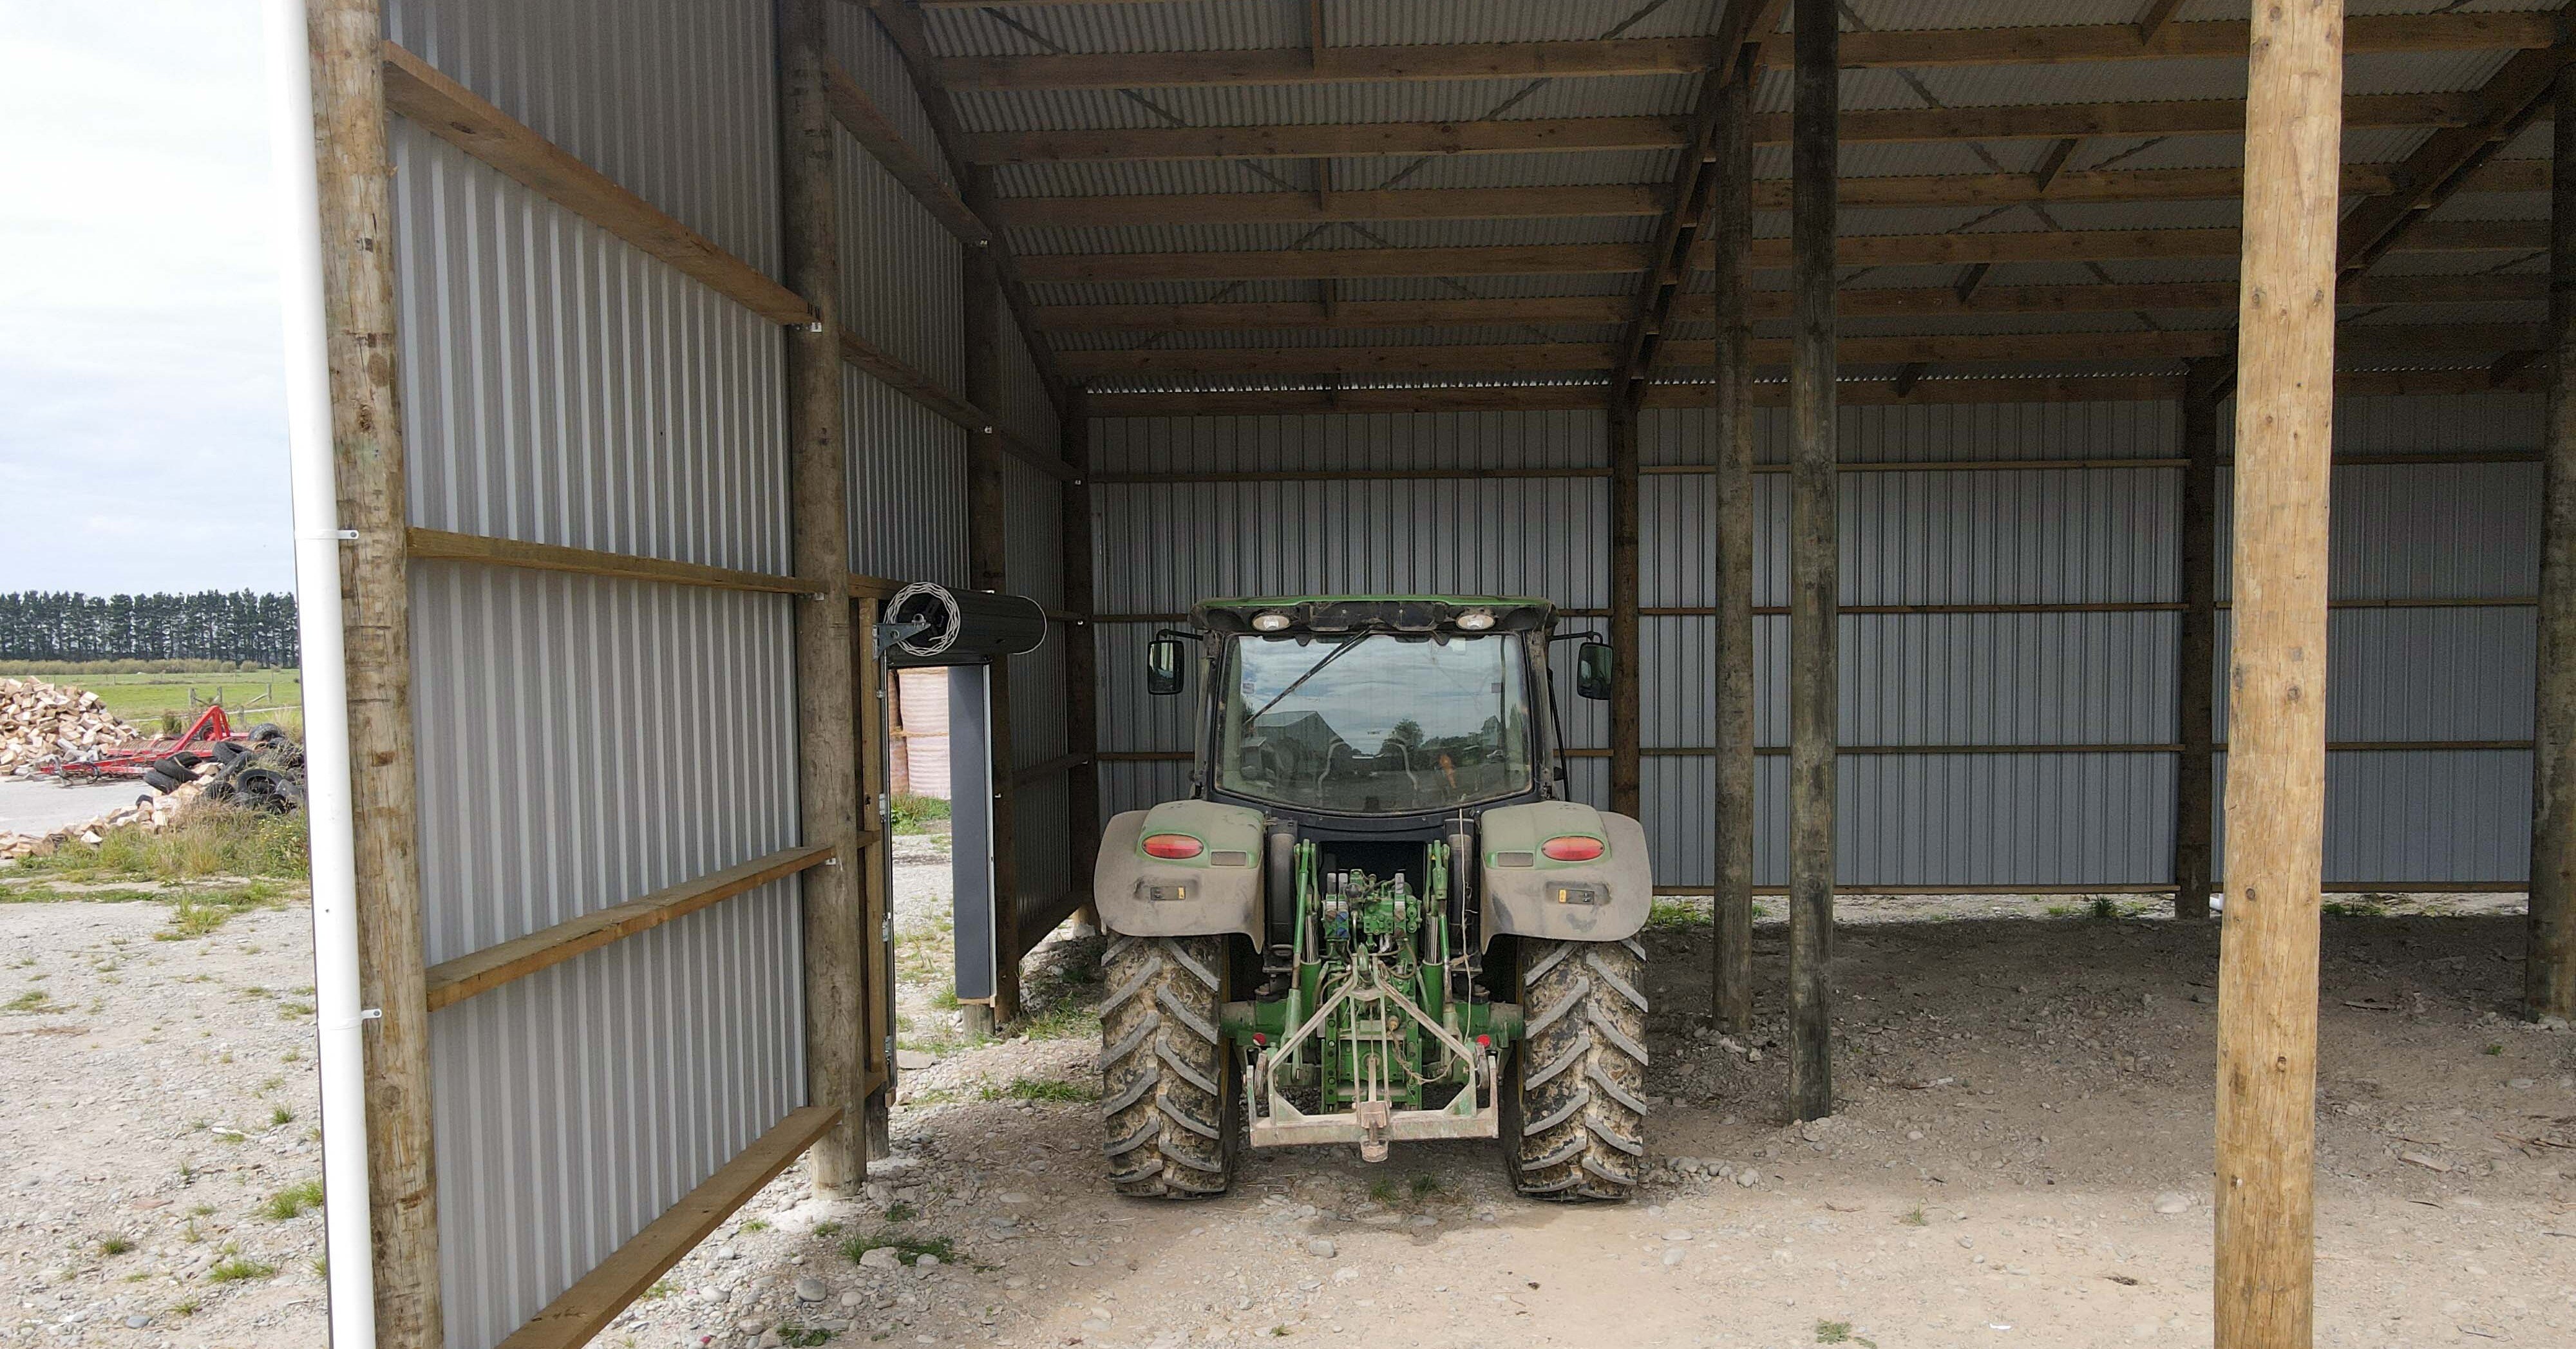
142,442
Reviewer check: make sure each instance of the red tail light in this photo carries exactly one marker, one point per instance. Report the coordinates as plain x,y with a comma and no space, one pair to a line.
1572,848
1177,846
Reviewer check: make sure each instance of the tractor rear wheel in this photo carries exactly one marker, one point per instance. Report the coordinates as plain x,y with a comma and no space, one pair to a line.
1171,1104
1574,1113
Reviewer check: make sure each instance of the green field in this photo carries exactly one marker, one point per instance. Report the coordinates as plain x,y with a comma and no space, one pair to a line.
147,700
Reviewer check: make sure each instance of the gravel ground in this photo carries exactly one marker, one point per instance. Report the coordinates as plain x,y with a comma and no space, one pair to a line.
2022,1156
39,807
159,1096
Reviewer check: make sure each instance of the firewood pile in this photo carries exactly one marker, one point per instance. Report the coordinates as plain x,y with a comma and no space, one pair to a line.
43,723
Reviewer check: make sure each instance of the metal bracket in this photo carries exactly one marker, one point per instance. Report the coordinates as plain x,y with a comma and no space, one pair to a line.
333,535
891,635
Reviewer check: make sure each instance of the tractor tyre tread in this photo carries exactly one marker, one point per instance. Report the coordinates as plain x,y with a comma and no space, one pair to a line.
1169,1102
1580,1076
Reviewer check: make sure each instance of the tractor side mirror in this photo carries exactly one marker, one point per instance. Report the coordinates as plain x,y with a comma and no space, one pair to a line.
1592,664
1163,666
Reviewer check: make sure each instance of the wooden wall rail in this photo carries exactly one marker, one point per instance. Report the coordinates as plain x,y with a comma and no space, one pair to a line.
1039,772
1884,610
457,115
437,545
2218,39
586,1308
453,981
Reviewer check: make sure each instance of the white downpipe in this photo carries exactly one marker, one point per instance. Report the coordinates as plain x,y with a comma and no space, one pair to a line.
315,489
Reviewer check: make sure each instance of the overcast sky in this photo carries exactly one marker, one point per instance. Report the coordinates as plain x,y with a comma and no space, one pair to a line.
142,436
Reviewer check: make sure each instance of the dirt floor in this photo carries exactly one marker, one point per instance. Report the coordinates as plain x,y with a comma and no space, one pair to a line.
2022,1157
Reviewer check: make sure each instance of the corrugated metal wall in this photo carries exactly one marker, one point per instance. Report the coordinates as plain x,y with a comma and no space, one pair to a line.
583,741
2047,534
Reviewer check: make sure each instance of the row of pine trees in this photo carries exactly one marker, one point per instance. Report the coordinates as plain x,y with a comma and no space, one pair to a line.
239,625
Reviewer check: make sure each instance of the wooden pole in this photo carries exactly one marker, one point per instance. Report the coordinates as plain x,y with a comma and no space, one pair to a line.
2196,647
1627,757
819,523
2265,1262
1730,210
2549,961
354,190
1813,559
1081,658
987,555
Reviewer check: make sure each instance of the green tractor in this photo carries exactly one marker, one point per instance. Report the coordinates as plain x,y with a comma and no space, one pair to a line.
1378,917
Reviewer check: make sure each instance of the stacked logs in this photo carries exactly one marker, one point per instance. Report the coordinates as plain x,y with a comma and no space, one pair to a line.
44,723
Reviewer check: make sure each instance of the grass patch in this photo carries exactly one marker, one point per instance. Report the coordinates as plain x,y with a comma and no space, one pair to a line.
901,1212
33,1002
201,913
40,893
1037,1089
1383,1191
1840,1332
2354,908
914,814
114,1245
1675,911
1425,1185
1915,1218
2105,908
811,1335
906,1250
211,839
238,1269
292,1201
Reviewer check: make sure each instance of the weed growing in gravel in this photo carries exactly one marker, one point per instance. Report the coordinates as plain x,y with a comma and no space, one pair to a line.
908,814
1673,911
211,839
1383,1191
755,1225
34,1001
1915,1218
812,1335
114,1245
201,912
2105,908
279,1115
37,892
1425,1186
1840,1332
661,1289
901,1212
905,1249
292,1200
186,1306
236,1269
1033,1089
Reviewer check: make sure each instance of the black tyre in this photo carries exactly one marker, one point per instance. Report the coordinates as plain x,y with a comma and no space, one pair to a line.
266,733
1170,1102
1574,1109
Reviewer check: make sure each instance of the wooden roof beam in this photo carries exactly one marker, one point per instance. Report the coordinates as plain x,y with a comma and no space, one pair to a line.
2037,45
1943,349
1989,390
2049,121
1891,250
1492,203
1603,310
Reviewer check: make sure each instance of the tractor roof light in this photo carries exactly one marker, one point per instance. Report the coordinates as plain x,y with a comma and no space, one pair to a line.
1271,622
1572,848
1176,847
1476,620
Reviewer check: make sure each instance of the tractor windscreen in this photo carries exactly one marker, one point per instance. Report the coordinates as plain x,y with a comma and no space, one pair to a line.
1376,723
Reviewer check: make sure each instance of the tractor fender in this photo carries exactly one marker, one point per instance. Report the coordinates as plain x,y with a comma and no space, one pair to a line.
1529,894
1218,891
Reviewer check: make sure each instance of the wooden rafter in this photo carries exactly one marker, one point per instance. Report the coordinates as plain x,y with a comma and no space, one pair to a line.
2450,157
1888,250
1875,303
1678,56
2050,121
1673,257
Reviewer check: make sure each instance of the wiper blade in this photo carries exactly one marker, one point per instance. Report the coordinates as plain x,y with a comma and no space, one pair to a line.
1313,670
